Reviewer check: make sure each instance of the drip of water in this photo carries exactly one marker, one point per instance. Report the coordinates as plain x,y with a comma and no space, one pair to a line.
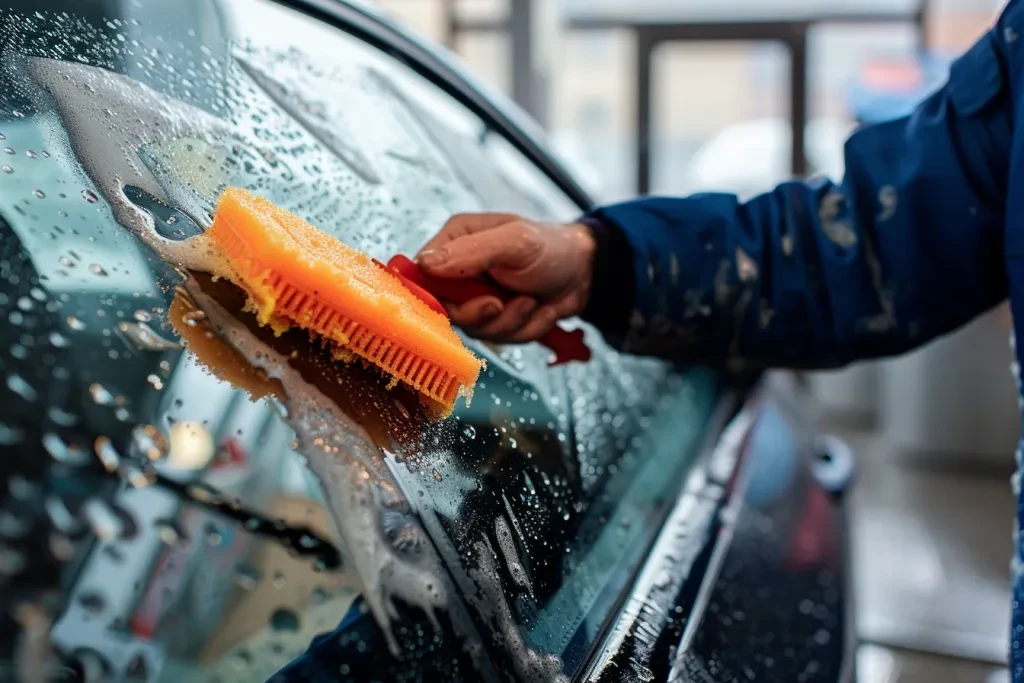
145,338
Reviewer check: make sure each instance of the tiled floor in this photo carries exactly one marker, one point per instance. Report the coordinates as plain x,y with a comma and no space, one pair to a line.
932,555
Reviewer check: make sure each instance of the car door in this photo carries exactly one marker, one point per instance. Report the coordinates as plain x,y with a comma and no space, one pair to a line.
198,498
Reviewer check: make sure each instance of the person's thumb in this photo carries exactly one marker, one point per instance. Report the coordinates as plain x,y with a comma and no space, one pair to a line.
511,246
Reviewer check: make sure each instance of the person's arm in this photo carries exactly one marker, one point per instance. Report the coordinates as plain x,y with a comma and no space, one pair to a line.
813,274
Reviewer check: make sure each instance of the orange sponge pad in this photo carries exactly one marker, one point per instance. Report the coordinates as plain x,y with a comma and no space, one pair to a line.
298,274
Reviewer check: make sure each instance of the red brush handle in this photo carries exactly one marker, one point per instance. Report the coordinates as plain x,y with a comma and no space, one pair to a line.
568,345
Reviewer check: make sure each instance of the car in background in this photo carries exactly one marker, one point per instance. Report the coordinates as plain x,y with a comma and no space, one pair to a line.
188,497
766,143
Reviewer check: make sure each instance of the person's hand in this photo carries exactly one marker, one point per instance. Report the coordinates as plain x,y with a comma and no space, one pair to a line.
549,266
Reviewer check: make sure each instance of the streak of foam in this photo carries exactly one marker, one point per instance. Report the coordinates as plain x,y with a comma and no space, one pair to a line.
355,481
529,664
109,117
508,549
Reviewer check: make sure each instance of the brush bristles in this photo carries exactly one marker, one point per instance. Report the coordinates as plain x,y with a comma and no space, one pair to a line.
274,296
426,377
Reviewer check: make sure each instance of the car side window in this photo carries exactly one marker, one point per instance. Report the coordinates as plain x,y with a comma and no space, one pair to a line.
214,495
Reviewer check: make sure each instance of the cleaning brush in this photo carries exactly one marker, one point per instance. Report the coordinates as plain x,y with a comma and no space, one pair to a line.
296,275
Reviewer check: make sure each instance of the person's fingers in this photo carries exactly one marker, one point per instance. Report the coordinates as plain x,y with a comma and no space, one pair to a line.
570,304
517,312
474,313
539,324
512,245
466,224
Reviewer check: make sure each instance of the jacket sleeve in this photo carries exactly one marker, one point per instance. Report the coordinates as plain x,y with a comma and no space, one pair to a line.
815,274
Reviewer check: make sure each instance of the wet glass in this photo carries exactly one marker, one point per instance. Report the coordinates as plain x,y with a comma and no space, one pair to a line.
189,496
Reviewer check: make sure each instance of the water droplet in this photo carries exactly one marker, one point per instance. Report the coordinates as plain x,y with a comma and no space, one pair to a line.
142,316
11,561
96,269
284,620
247,577
6,169
12,526
39,194
62,417
105,523
10,435
90,196
100,395
60,516
22,489
66,262
18,385
137,670
93,602
279,580
58,340
9,150
143,337
61,451
105,451
469,432
149,442
30,154
193,318
75,324
213,536
170,532
437,475
46,155
241,660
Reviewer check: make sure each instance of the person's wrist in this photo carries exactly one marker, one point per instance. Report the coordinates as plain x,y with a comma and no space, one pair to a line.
585,249
612,287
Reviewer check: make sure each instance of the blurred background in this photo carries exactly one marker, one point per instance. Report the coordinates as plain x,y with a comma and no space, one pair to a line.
677,96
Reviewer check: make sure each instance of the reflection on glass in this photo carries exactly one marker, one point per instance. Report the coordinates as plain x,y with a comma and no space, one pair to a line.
192,497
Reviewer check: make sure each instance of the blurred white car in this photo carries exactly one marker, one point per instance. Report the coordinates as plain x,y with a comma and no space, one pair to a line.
750,157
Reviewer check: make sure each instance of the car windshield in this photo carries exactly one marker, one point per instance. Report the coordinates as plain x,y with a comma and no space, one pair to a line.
191,497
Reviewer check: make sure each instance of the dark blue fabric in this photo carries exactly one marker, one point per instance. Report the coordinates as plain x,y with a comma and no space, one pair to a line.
816,274
342,655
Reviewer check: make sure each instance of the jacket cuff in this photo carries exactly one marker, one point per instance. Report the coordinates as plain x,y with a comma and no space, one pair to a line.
613,286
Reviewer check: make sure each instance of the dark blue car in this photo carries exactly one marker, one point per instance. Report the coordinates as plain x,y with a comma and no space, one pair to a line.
189,497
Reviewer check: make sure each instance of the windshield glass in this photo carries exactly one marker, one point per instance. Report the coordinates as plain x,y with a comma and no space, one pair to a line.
197,497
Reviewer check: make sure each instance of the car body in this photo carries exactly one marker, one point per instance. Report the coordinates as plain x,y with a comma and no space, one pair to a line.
190,497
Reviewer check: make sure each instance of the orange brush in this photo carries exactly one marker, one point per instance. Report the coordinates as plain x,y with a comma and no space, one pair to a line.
295,274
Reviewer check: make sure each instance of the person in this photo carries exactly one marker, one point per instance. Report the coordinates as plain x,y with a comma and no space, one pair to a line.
924,233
